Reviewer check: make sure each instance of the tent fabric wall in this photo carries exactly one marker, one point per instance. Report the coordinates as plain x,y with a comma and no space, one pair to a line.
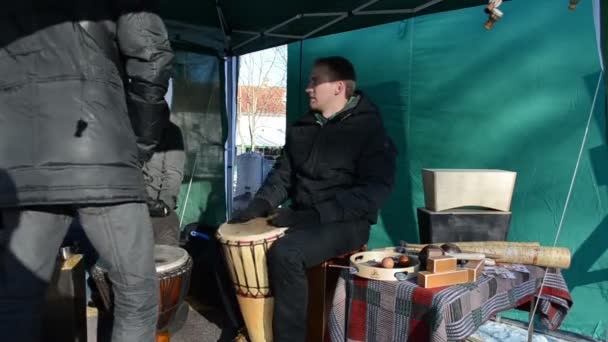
601,7
518,97
198,108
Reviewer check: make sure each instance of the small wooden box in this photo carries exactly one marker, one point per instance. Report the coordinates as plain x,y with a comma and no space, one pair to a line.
429,280
474,267
441,264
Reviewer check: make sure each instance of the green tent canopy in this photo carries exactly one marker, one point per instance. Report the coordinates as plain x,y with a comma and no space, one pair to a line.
241,26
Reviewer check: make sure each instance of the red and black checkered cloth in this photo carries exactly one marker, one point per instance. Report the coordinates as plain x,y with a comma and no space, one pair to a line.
403,311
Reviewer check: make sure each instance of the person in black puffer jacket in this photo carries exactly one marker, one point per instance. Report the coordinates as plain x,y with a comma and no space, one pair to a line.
82,87
337,167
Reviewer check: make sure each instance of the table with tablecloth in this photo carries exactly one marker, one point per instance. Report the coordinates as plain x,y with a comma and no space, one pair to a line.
403,311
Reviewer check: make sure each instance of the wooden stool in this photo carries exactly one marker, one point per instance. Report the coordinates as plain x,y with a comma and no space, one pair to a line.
322,281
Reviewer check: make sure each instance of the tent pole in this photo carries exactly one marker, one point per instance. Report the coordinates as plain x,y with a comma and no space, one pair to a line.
231,79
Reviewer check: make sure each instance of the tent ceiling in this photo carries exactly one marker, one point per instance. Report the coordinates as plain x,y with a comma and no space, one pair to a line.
255,25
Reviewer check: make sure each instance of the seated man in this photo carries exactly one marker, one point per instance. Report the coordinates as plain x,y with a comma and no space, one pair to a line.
337,167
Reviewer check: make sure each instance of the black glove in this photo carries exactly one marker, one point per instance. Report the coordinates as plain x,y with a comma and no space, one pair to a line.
286,217
158,208
144,151
257,208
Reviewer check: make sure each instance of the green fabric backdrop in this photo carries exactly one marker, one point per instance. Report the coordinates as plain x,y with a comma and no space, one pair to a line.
198,109
518,97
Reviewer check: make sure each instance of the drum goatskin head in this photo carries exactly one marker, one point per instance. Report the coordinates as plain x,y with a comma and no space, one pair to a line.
168,257
252,230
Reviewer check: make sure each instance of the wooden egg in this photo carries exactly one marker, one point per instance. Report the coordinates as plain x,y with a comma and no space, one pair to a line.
404,261
450,248
388,262
427,252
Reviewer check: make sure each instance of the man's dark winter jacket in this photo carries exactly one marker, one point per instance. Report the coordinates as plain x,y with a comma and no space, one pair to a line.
68,72
343,168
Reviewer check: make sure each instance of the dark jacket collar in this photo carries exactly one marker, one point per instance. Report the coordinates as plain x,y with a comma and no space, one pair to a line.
360,105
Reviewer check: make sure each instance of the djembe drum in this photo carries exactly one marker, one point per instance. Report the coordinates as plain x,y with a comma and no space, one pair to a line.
173,267
245,246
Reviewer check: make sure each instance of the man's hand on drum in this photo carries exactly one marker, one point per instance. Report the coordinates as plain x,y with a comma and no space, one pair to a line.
287,217
257,208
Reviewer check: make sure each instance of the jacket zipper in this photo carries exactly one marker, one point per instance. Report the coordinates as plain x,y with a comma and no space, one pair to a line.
315,149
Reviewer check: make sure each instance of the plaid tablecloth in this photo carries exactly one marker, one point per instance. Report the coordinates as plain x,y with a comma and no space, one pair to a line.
403,311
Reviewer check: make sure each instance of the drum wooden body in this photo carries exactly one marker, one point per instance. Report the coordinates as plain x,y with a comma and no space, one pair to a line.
173,268
245,246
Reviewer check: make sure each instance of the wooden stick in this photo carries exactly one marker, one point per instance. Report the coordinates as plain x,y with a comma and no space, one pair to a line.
496,243
410,249
417,249
477,243
467,256
556,257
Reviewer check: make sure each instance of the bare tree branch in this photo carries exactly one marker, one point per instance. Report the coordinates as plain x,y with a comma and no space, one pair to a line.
262,76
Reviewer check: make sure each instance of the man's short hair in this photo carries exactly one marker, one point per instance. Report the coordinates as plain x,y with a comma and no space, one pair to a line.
340,69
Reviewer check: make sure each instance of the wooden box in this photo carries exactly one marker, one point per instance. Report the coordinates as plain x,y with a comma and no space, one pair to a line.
429,280
441,264
474,267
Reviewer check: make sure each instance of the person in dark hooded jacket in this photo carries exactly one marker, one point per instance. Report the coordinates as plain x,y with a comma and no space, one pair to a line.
82,87
337,168
163,175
